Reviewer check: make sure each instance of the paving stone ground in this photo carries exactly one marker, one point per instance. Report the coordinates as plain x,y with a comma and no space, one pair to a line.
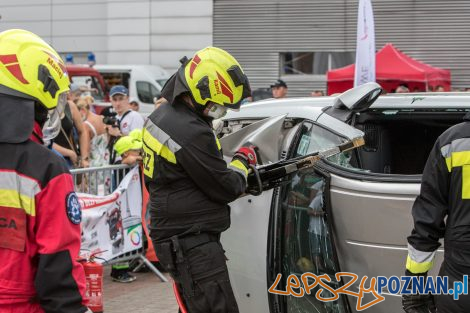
147,294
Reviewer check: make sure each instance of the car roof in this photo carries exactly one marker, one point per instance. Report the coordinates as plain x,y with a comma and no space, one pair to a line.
294,107
310,107
73,70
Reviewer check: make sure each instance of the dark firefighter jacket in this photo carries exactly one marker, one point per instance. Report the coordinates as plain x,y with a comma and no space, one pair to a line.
188,180
445,192
39,236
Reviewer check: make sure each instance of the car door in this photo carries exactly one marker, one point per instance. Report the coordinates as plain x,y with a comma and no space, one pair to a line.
371,218
251,242
302,235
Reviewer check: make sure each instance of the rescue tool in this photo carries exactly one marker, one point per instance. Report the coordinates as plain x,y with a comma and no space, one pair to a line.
269,176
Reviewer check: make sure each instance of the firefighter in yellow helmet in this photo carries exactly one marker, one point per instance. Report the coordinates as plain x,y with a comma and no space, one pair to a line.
40,213
190,184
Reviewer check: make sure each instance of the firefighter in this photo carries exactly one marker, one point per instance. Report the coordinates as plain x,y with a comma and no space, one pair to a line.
188,180
442,210
39,212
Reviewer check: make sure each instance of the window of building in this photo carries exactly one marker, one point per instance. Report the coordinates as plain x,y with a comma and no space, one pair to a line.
313,63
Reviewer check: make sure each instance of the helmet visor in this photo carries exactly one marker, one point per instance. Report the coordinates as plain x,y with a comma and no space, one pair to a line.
216,111
51,128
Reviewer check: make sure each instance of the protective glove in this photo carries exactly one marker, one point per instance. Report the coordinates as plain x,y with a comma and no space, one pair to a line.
247,155
418,303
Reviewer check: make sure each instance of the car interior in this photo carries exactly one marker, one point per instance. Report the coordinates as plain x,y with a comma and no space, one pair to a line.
392,138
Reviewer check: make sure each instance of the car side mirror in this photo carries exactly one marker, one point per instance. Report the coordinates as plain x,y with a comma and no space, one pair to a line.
358,99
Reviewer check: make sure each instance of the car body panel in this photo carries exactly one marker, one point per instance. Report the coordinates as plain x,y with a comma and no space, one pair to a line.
245,243
371,222
264,134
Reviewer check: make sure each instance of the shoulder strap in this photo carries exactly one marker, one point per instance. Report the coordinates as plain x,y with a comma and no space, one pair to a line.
122,117
93,129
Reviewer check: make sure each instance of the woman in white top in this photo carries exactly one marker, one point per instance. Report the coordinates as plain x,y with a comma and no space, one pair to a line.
99,153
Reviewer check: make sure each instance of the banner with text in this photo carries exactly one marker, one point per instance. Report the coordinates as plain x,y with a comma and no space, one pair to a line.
112,223
365,45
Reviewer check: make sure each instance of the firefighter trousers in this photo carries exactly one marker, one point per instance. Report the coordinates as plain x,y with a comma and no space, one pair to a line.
197,263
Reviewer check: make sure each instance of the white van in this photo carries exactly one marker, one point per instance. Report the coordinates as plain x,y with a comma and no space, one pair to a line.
144,82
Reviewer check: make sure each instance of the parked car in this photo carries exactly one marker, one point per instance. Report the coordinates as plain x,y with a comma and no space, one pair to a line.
144,82
350,212
83,75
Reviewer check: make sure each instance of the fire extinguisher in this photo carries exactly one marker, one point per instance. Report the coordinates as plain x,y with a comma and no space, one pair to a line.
94,284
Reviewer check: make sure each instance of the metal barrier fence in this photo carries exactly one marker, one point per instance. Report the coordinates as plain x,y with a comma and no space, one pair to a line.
99,181
102,181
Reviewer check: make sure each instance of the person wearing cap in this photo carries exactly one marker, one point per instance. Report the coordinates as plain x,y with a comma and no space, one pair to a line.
279,89
134,105
127,119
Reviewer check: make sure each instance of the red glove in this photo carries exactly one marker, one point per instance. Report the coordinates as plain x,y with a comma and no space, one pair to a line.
247,154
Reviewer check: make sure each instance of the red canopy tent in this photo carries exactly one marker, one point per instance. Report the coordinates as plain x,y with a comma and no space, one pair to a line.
393,68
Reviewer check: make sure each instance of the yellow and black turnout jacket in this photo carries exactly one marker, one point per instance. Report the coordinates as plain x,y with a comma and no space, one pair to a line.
188,180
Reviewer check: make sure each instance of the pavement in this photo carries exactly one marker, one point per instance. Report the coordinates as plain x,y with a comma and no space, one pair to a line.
147,294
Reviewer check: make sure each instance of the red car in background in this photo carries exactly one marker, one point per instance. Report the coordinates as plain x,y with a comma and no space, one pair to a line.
83,75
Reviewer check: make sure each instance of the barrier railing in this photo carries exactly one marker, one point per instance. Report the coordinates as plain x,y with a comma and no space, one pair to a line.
99,181
102,181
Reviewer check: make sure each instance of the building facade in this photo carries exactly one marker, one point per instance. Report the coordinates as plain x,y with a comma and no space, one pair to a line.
116,31
296,40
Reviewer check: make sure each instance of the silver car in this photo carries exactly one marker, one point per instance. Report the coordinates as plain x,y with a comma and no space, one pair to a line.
350,212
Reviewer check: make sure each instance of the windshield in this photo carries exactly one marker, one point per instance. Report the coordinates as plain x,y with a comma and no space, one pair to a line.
93,87
161,82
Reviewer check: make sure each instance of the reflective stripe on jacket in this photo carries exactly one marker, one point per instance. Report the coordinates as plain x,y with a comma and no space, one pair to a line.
187,178
445,193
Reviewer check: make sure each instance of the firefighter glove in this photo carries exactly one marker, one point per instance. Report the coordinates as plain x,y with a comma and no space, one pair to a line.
247,155
418,303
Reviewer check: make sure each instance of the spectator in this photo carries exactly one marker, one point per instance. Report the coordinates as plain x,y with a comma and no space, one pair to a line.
317,93
130,147
128,119
66,143
403,88
75,92
134,104
96,129
279,89
159,101
439,88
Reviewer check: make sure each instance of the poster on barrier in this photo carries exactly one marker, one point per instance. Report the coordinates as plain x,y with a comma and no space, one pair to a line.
112,223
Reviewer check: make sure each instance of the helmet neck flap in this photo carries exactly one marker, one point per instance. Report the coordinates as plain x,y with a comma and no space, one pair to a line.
16,120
